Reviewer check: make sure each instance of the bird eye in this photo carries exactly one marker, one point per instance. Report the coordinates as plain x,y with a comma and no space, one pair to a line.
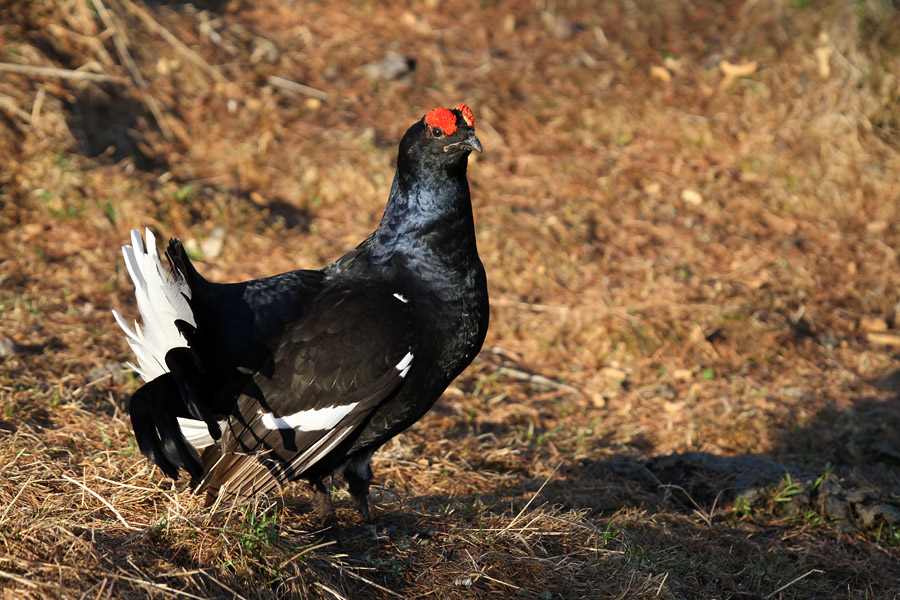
437,132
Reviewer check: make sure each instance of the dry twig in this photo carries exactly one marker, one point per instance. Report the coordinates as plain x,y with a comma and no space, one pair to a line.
330,591
524,508
293,86
104,501
60,73
793,581
10,106
537,380
347,571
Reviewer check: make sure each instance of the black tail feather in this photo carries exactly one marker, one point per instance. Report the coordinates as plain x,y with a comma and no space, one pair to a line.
154,409
181,263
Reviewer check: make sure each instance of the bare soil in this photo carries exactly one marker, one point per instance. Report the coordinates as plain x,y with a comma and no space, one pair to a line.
688,212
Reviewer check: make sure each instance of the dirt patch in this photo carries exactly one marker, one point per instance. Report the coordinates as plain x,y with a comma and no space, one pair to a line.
688,214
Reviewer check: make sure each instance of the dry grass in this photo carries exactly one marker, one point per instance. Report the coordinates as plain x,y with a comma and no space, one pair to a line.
681,259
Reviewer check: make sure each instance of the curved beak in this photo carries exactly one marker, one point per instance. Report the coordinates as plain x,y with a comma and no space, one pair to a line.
470,143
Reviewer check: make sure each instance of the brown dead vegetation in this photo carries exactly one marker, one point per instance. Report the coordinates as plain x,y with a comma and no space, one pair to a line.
688,212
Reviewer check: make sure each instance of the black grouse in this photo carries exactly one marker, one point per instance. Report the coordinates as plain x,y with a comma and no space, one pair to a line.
306,374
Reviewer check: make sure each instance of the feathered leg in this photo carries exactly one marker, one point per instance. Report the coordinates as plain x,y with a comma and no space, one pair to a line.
322,503
359,489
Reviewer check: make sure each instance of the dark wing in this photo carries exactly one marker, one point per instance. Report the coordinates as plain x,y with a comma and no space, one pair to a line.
349,352
236,322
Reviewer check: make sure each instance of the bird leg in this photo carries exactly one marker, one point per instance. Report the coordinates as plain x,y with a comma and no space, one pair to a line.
322,503
359,490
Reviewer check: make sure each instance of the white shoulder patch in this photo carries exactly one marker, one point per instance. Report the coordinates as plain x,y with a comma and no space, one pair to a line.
314,419
404,364
401,298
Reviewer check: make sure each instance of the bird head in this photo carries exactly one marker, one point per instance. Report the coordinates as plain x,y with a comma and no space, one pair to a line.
442,137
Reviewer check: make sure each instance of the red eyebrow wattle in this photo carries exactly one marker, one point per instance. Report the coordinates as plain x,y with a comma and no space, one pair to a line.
467,115
443,119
